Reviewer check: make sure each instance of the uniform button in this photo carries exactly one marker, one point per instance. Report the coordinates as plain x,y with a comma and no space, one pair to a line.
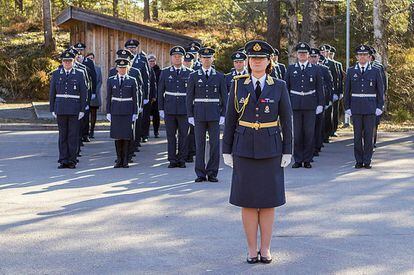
302,80
257,115
257,109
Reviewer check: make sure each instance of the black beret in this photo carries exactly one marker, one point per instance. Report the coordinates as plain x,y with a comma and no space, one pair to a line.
124,54
314,51
238,56
363,49
177,50
67,55
122,62
131,43
258,48
79,46
303,47
188,57
206,52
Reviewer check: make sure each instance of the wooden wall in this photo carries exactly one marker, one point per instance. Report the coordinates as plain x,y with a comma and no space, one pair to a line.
104,43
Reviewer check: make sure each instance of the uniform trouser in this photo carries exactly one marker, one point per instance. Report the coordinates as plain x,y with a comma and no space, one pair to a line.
190,143
146,113
200,129
155,116
364,126
68,138
319,131
85,124
131,144
377,123
328,125
122,151
335,116
174,123
304,130
138,130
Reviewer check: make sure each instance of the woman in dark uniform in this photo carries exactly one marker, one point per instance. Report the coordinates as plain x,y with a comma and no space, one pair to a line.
122,109
254,147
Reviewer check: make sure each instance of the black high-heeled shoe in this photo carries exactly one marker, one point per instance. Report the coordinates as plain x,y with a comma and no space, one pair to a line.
264,260
253,260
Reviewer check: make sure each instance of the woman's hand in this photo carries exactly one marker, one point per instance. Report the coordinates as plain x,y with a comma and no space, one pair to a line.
228,160
286,159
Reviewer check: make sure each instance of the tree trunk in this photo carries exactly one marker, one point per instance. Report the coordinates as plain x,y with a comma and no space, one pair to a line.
380,32
310,24
115,8
19,5
411,19
273,23
147,16
154,7
292,28
47,27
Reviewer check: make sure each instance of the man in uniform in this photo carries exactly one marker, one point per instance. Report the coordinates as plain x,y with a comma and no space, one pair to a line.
189,60
239,67
194,48
206,108
172,92
152,61
304,83
364,100
91,72
279,69
339,93
67,101
190,141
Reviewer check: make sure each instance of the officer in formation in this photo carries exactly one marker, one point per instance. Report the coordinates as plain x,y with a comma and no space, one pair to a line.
155,115
194,48
91,77
239,67
340,92
172,92
279,69
364,101
304,83
206,107
375,63
258,147
189,60
67,101
122,109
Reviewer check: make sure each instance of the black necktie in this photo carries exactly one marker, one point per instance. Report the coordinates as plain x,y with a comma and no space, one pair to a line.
303,67
67,73
207,74
177,71
363,70
258,89
122,81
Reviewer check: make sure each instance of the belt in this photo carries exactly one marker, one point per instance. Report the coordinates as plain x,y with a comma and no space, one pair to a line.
364,95
175,94
122,99
303,93
68,96
207,100
258,125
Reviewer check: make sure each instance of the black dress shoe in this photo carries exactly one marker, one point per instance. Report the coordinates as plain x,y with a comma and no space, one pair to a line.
212,179
71,166
265,260
200,179
190,159
334,135
86,139
144,139
118,164
359,165
125,166
182,165
62,166
367,166
326,140
316,154
307,165
172,165
253,260
297,165
91,135
156,135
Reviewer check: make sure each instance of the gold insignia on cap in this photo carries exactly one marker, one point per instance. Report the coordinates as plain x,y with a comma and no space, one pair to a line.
67,55
257,47
206,51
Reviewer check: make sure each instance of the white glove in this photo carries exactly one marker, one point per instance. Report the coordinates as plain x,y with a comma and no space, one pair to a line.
140,110
81,115
286,159
134,117
87,107
335,97
162,115
93,96
228,160
191,121
54,115
146,101
341,96
319,109
348,112
378,112
222,119
108,117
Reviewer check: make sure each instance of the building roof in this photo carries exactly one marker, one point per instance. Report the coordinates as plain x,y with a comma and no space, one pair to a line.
71,14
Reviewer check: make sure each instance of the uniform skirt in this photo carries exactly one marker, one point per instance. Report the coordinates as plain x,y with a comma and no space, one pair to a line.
121,126
257,183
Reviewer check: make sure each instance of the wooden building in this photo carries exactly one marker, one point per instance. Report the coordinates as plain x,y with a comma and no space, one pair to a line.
103,35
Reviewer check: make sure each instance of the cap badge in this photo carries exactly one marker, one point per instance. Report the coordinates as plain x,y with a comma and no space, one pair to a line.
257,47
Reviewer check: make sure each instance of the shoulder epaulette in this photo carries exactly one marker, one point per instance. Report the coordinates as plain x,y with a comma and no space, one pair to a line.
241,76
